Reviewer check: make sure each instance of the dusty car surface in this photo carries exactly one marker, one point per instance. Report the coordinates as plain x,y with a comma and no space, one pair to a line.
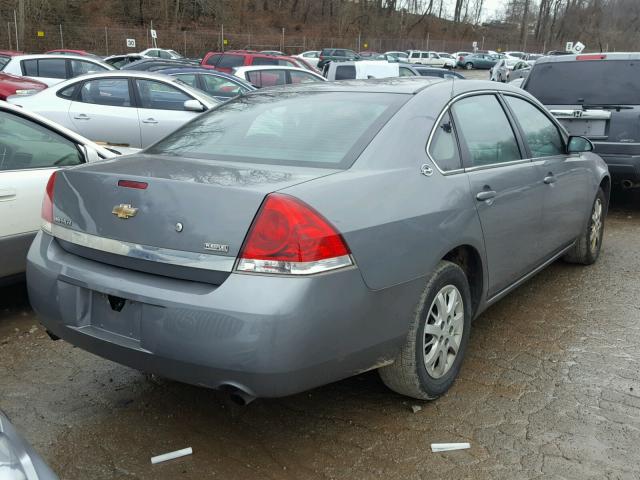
245,252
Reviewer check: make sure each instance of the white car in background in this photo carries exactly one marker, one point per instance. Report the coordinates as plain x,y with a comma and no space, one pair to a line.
450,60
127,108
271,75
420,57
312,57
31,149
161,53
515,55
401,56
52,69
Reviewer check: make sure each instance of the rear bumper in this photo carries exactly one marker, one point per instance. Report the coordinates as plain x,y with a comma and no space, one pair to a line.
266,335
622,167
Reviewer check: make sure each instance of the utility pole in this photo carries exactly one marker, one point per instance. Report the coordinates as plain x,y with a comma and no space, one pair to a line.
524,26
61,38
9,32
15,22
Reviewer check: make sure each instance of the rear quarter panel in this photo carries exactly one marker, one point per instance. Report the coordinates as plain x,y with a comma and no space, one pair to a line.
397,222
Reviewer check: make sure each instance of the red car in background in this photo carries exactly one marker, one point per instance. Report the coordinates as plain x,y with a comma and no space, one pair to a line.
227,61
67,51
15,85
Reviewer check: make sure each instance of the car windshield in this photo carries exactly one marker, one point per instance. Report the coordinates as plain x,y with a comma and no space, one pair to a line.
321,129
611,82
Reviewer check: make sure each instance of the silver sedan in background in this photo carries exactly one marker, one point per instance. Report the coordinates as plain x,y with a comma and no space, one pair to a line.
132,109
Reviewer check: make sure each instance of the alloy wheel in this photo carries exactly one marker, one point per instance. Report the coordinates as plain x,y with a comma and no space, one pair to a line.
443,331
595,228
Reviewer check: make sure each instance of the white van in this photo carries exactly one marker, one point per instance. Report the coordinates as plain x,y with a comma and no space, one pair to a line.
365,69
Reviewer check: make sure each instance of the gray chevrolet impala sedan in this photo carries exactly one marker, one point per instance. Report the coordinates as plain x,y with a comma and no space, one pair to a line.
293,237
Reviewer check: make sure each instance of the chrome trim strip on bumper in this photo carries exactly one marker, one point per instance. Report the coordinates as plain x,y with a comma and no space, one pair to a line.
582,114
181,258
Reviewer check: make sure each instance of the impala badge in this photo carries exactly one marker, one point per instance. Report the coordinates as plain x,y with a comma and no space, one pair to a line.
124,210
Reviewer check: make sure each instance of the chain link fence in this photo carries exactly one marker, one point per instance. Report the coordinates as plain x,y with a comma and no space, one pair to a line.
195,43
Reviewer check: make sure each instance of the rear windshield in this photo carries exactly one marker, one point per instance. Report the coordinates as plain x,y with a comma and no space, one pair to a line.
319,129
589,82
3,61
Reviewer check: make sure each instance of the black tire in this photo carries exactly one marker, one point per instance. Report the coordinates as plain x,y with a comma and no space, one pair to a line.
468,65
408,375
584,251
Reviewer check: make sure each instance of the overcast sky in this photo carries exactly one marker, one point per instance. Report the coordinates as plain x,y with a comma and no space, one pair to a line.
490,7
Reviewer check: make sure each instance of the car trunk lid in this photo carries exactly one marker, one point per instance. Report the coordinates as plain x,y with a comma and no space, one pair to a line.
184,212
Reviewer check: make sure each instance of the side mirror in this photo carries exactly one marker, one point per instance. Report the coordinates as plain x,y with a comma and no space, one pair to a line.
579,144
193,106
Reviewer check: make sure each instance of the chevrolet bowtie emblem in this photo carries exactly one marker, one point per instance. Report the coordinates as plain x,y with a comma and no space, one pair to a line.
124,210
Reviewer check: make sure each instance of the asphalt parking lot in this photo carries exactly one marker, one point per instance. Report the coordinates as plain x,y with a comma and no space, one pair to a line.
550,389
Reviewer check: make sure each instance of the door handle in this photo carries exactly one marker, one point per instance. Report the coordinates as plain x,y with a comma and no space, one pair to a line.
550,178
82,116
485,195
150,120
7,194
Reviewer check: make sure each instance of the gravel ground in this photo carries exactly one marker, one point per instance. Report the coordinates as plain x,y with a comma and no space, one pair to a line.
550,389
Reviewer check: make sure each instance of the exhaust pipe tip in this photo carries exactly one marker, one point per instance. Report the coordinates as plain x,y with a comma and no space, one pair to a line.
52,336
238,395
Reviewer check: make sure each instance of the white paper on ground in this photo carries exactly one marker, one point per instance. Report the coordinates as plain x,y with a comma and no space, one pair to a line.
446,447
171,455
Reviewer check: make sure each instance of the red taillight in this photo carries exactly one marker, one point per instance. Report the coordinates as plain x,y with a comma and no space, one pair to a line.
460,58
288,236
597,56
47,203
133,184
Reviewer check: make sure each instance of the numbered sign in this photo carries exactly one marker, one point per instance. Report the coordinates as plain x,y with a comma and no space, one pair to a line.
131,43
154,34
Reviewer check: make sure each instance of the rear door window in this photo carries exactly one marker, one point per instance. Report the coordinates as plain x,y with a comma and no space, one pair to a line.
541,134
113,92
189,79
485,131
230,61
302,77
213,59
221,87
52,68
80,67
589,82
345,72
267,78
30,68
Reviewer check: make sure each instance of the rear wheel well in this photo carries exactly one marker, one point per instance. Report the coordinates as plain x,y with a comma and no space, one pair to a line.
468,258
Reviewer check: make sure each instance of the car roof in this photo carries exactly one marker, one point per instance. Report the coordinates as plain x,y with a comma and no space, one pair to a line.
206,71
248,68
49,56
596,57
401,85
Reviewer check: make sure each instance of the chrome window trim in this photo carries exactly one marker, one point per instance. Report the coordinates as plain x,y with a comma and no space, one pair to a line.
445,110
204,261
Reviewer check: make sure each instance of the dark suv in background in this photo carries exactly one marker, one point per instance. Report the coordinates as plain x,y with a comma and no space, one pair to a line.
336,54
596,96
